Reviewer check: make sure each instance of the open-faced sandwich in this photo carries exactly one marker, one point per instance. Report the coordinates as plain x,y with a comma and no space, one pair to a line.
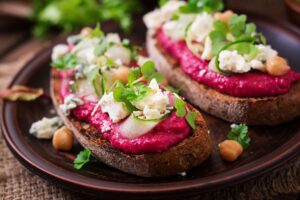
221,63
123,115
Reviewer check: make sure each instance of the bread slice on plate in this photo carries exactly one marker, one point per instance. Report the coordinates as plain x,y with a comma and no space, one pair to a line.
252,111
189,153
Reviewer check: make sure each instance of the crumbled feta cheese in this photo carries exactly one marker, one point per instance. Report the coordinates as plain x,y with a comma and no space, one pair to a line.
182,173
119,52
116,110
59,50
113,37
200,28
169,9
142,59
233,62
154,104
153,20
207,51
156,18
265,52
257,64
176,28
70,102
105,126
85,49
45,128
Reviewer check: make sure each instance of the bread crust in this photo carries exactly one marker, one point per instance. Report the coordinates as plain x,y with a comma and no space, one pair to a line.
180,158
252,111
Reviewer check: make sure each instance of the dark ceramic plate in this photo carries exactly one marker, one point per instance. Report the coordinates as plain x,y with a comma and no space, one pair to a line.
271,146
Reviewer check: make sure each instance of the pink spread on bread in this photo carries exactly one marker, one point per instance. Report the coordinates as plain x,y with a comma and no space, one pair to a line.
251,84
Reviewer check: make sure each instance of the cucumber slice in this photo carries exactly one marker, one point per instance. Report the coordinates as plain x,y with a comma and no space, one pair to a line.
133,127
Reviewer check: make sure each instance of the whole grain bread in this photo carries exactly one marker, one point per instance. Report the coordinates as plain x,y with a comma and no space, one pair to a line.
252,111
180,158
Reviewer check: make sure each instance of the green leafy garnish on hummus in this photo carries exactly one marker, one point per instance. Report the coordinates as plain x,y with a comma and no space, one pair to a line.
82,158
240,134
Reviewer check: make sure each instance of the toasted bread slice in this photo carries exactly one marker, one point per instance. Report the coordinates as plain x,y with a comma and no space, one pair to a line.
187,154
252,111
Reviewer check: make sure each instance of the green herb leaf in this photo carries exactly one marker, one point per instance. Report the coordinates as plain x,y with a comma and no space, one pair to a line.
97,32
149,72
97,80
172,89
250,28
198,6
134,74
180,107
101,48
162,2
218,39
82,158
220,26
247,49
240,134
191,118
237,24
68,61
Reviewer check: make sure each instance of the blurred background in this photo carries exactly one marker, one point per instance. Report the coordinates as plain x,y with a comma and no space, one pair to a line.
28,24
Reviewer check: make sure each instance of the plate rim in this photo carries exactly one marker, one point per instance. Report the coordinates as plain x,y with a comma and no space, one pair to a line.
255,168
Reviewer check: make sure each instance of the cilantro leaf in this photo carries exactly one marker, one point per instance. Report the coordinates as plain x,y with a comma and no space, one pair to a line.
82,158
240,134
250,28
68,61
180,107
101,48
218,39
191,118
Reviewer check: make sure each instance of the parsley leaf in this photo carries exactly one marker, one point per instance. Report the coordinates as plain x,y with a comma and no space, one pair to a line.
82,158
68,61
218,39
247,49
101,48
180,107
240,134
191,118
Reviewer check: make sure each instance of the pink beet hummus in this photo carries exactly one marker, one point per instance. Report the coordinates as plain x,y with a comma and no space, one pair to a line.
166,134
252,84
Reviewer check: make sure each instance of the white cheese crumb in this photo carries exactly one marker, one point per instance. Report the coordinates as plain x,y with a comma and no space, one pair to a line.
182,173
105,126
142,59
156,18
116,110
45,128
116,52
265,52
207,52
70,102
154,104
176,28
113,37
233,62
200,28
59,50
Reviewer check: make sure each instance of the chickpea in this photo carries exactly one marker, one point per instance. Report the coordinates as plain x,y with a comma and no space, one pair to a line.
277,66
85,31
224,17
230,150
121,73
63,139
